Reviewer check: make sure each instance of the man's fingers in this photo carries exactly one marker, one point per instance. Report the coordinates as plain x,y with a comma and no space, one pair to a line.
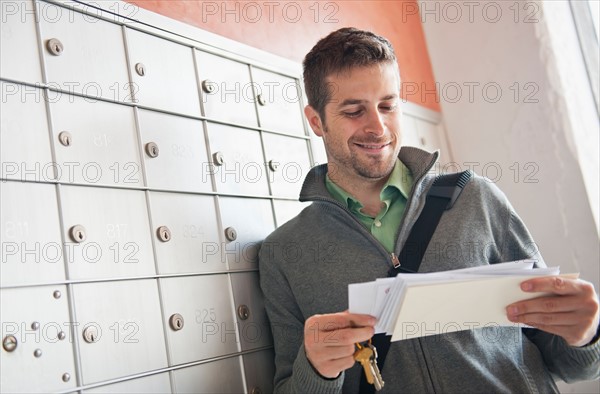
552,284
549,304
341,337
546,319
336,321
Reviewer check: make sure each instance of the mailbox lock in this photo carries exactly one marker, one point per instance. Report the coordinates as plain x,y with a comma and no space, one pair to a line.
273,165
152,149
90,334
208,86
56,294
61,335
66,377
140,69
37,353
77,233
230,234
243,312
176,322
9,343
218,158
65,138
163,233
261,100
54,46
256,390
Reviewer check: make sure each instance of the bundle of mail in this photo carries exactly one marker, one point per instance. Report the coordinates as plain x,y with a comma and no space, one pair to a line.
415,305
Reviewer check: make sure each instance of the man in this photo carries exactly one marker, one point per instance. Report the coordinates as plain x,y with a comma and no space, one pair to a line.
365,201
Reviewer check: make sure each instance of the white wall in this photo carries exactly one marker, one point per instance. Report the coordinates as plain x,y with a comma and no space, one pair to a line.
517,108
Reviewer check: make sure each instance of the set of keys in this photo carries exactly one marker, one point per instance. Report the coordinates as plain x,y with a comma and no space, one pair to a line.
366,355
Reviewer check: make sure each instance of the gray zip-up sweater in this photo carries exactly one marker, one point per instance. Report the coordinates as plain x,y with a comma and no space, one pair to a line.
307,264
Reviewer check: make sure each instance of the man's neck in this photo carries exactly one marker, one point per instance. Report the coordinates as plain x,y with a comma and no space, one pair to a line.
367,191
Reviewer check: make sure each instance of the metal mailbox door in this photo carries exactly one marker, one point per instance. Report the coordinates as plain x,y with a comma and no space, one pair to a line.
107,233
194,241
199,313
255,331
259,368
37,340
221,376
84,54
19,55
237,160
24,138
163,74
252,220
227,94
95,142
119,341
174,152
278,100
153,384
288,163
32,248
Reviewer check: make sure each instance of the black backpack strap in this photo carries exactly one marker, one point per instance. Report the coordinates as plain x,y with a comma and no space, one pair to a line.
440,197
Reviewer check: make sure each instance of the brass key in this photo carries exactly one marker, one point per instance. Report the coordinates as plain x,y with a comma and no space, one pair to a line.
367,357
377,379
363,355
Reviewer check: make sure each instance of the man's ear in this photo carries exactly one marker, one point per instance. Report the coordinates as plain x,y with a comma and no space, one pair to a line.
314,120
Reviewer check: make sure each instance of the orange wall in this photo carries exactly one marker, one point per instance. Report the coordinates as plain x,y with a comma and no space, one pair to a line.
290,28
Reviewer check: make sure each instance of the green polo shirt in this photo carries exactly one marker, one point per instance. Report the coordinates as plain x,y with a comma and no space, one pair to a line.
393,195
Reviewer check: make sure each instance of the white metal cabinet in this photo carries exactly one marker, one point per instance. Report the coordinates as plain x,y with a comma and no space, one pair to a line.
153,384
208,326
32,248
259,368
102,146
123,322
163,74
252,220
237,160
255,331
24,138
19,55
227,93
221,376
116,233
431,138
92,58
319,155
38,320
174,152
288,163
194,244
278,102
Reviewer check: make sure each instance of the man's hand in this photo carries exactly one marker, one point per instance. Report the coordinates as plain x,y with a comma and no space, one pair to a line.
329,340
571,311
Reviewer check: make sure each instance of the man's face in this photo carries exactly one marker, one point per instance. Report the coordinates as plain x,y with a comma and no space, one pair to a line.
362,123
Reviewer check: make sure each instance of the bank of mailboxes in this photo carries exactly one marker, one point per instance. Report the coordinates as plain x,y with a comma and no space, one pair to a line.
139,176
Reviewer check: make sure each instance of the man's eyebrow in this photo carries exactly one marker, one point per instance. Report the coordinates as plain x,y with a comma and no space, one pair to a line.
359,101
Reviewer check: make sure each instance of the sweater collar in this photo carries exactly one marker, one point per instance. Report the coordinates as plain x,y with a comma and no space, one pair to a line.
418,161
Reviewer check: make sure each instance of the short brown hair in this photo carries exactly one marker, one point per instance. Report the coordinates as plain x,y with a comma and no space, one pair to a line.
341,51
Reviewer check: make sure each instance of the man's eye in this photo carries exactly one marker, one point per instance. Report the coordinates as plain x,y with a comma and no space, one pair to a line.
353,114
388,108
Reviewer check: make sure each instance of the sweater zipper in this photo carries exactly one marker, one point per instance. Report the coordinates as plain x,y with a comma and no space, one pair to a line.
393,256
376,242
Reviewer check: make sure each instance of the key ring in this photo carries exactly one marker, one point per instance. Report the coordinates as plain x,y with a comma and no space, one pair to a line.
360,345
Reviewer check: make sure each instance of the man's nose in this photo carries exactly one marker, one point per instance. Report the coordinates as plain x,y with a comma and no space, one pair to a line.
375,124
